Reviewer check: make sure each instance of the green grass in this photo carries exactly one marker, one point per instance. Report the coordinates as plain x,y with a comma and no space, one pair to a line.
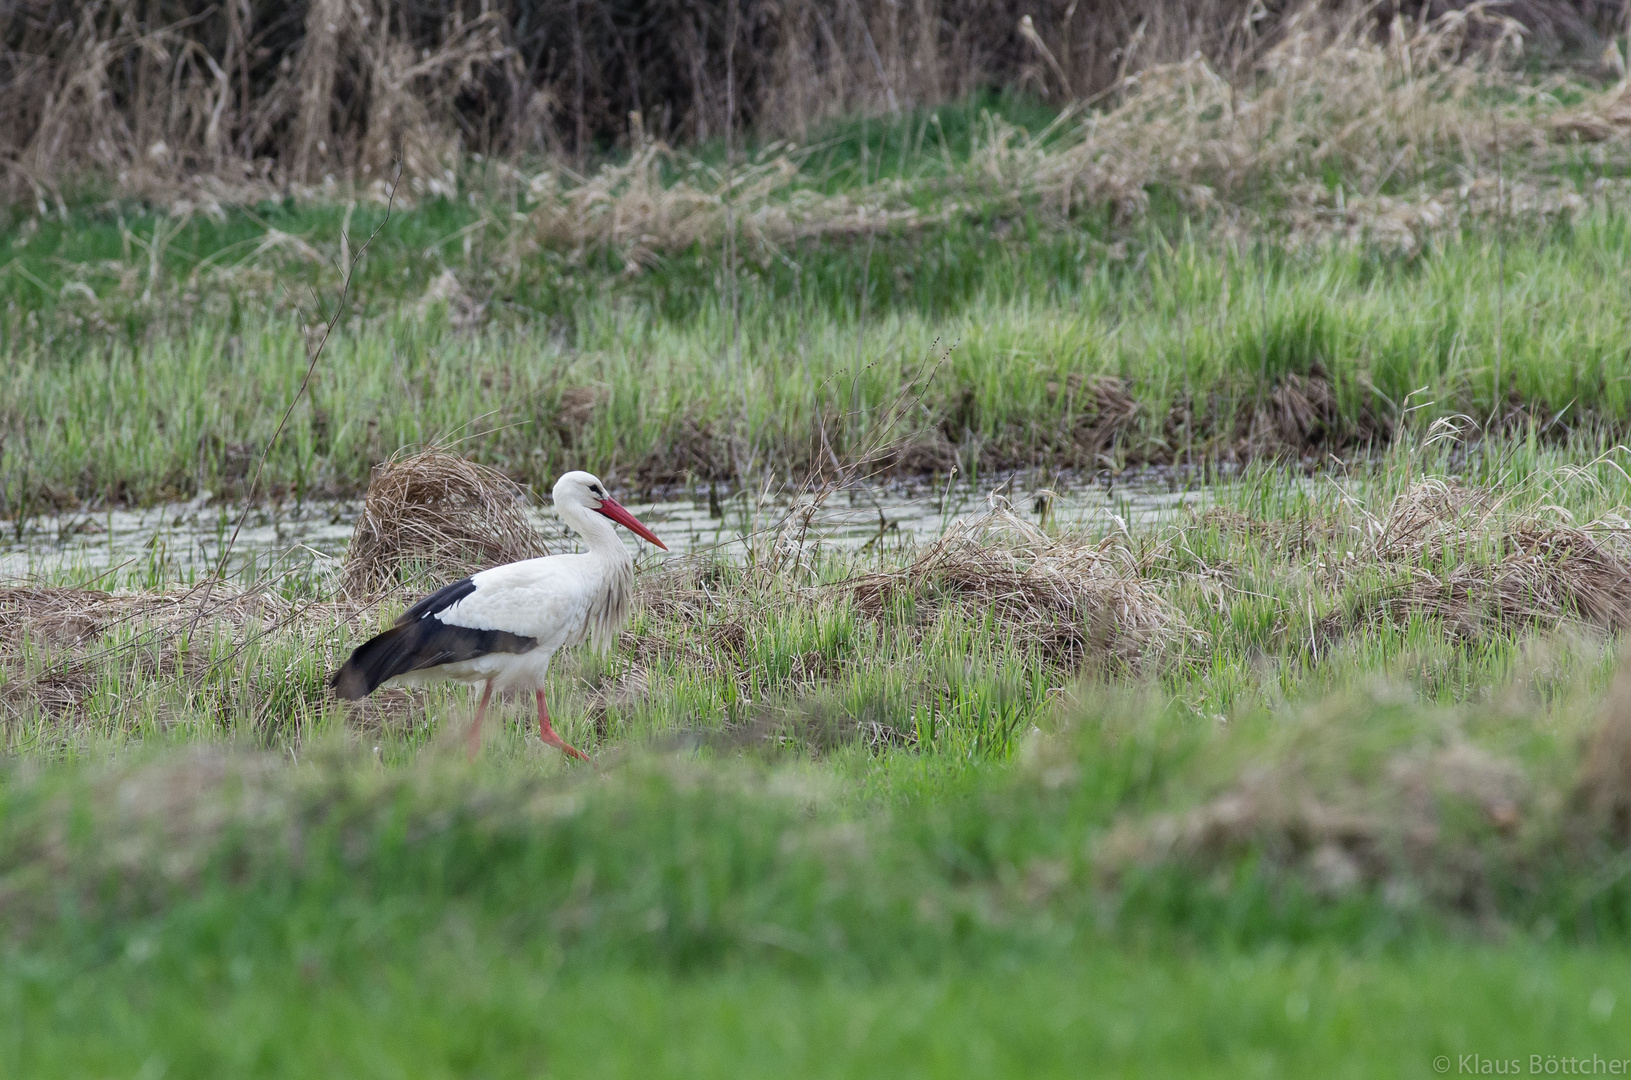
1197,335
464,1009
241,915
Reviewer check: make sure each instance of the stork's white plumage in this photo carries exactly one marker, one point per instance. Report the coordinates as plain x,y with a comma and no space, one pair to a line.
498,629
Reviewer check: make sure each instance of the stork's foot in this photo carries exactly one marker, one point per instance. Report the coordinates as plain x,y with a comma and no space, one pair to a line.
546,732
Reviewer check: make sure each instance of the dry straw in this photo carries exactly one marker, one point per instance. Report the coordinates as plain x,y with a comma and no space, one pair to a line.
1075,601
634,209
438,512
1497,566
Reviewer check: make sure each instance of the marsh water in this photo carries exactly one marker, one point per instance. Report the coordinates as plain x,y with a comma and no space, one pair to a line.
184,540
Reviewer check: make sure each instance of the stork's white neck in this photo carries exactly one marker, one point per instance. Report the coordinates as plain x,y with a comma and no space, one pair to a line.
599,535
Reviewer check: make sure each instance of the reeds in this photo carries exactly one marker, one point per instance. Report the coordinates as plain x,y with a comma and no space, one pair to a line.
1077,603
430,514
1401,119
252,97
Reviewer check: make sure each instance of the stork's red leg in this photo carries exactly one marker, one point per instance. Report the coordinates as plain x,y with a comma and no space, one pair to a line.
474,735
547,733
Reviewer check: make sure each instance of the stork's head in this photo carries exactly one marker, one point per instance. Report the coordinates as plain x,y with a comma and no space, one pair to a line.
583,491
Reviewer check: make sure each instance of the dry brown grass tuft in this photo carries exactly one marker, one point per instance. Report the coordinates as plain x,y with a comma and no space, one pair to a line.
70,617
1077,602
1606,116
1465,556
439,511
1426,825
632,209
1300,414
1603,788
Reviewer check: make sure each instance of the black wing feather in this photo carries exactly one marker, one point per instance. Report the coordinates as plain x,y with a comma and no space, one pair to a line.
440,600
419,641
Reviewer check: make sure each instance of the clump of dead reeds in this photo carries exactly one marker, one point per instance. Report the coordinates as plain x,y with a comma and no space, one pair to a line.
1326,94
1390,832
440,512
1602,794
1074,600
236,101
1467,557
256,93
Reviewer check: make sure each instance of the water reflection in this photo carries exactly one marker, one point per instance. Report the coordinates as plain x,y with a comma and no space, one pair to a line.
185,540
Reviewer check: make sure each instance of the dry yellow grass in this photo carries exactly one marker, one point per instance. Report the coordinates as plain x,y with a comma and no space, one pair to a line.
1475,560
1077,602
1215,112
629,208
1410,113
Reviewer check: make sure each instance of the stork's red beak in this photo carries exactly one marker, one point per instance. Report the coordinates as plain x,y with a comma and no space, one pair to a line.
610,507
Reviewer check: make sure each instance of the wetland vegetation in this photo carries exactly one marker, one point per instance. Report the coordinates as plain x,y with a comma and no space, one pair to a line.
1328,770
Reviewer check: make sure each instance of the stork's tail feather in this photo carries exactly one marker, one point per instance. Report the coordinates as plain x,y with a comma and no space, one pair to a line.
374,661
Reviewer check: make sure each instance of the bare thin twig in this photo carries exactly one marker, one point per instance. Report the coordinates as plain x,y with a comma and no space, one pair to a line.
311,368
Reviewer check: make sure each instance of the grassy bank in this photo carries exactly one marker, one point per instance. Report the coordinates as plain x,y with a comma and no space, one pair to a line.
1054,357
231,911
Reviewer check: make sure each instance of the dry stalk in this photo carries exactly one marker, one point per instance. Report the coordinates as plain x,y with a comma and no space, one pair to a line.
244,100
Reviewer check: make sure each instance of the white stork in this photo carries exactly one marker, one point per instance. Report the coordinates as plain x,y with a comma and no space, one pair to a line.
500,627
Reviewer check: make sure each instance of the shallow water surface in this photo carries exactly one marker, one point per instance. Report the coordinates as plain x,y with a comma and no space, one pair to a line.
185,540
